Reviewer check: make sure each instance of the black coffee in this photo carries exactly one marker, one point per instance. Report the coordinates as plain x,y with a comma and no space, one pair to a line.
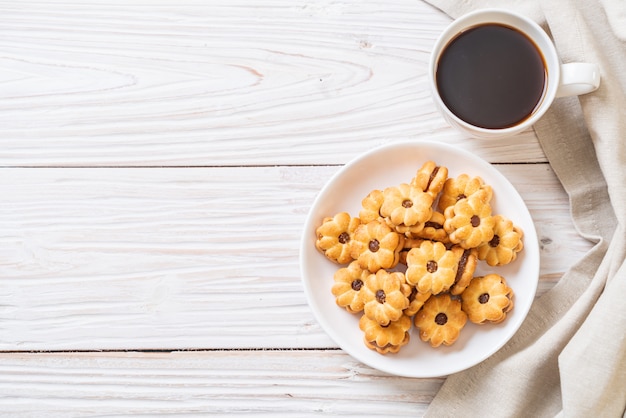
491,76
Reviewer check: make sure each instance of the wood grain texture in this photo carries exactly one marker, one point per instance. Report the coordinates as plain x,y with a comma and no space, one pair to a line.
265,383
171,258
157,163
219,83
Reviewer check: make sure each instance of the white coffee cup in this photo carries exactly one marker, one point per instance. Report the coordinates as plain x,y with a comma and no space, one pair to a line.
561,79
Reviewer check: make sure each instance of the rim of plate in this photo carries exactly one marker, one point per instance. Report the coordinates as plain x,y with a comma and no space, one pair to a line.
385,362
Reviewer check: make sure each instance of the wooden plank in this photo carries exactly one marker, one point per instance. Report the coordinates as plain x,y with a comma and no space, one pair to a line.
220,83
265,100
270,383
142,258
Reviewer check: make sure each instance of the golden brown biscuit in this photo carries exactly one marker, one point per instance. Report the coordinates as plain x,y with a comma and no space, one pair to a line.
430,178
505,244
386,296
334,236
431,267
409,243
459,188
440,320
433,229
469,222
385,339
406,205
487,299
416,301
370,206
375,245
348,287
408,231
468,260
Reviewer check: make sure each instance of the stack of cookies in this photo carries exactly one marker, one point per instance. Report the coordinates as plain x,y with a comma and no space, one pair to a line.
410,255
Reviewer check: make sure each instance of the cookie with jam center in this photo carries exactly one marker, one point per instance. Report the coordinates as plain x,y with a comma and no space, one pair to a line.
440,320
334,236
487,299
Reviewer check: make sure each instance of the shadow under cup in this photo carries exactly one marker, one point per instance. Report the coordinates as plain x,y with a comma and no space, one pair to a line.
494,73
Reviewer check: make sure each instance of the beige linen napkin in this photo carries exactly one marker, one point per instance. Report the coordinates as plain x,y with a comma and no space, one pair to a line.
569,357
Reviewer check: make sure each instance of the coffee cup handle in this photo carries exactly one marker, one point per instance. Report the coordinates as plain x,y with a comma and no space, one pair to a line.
578,78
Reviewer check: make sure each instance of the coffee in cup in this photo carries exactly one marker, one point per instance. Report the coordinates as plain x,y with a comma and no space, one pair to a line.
494,73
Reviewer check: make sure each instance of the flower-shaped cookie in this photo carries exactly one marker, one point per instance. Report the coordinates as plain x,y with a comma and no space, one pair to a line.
487,299
430,178
469,222
468,260
440,320
459,188
433,229
431,267
386,296
408,245
416,301
406,205
370,206
348,287
334,236
375,245
408,231
505,244
385,339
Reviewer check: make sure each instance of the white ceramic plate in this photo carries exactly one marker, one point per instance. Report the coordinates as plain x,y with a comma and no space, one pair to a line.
389,166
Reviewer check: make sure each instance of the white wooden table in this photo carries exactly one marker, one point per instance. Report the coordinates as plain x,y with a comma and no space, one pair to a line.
158,159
